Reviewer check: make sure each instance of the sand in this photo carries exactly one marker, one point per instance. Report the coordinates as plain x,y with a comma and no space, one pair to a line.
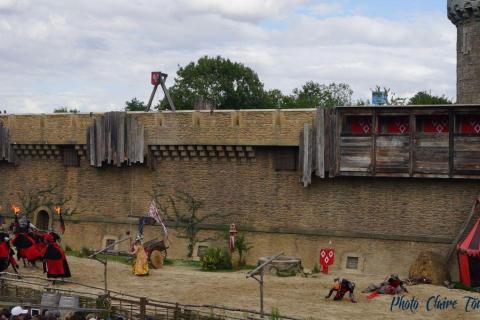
295,296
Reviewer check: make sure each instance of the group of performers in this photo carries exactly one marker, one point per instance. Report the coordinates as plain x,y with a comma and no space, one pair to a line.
31,246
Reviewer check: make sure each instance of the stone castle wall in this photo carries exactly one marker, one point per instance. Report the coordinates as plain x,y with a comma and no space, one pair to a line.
372,218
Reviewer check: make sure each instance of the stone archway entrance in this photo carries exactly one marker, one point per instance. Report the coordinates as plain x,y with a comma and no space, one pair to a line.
42,219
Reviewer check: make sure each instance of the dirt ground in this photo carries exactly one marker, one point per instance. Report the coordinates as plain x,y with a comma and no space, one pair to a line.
295,296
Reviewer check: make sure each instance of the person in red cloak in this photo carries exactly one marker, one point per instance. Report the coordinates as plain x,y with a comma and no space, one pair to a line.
38,237
54,261
26,247
6,254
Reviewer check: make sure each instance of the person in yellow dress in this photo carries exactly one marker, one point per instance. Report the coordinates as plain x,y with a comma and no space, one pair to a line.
140,264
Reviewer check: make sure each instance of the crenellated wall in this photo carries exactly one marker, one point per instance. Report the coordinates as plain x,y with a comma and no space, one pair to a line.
246,127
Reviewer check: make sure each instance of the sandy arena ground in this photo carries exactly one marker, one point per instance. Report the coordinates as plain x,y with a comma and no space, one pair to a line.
295,296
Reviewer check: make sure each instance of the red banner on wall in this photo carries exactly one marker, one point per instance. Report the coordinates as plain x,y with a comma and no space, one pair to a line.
327,257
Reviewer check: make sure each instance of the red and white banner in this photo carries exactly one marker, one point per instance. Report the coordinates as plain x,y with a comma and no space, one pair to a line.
327,256
154,80
436,124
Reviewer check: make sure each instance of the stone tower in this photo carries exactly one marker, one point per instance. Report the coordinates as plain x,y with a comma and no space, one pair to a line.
465,14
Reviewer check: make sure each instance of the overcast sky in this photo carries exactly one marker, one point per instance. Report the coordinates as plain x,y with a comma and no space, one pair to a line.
95,55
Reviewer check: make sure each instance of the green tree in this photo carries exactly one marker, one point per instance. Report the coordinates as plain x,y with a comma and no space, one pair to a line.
135,105
427,98
313,94
222,83
65,110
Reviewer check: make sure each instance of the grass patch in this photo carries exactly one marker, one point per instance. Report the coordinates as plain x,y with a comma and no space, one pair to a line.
83,254
461,286
181,263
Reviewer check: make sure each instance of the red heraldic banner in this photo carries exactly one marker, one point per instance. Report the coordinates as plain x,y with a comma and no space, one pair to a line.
327,257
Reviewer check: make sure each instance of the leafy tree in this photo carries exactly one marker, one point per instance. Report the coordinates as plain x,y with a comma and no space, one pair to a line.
274,99
427,98
221,82
313,94
185,211
135,105
65,110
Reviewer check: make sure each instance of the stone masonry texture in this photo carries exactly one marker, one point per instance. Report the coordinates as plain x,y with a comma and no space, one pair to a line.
465,14
372,218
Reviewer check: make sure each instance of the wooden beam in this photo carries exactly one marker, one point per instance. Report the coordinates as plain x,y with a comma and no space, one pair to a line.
413,129
374,142
320,143
451,142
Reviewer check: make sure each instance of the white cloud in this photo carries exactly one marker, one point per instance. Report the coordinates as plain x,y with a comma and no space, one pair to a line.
96,55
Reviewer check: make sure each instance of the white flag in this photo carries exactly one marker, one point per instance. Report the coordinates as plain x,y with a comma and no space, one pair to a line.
153,212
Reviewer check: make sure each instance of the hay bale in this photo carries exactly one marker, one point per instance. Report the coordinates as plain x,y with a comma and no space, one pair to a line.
430,265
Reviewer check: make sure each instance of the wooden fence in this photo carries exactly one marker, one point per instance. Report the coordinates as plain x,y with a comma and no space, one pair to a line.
28,291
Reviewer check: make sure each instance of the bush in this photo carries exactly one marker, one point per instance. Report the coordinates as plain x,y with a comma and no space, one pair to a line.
275,314
68,249
84,252
315,269
215,259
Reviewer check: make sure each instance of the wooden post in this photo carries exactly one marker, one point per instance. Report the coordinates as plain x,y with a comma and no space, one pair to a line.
413,129
261,293
143,308
320,142
105,274
451,142
307,155
176,313
149,104
170,101
374,142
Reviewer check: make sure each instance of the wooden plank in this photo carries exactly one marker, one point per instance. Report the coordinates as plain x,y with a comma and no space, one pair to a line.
337,131
373,163
344,169
320,143
91,145
301,153
307,155
413,129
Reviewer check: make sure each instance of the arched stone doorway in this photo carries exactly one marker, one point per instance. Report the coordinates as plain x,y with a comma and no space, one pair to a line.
43,218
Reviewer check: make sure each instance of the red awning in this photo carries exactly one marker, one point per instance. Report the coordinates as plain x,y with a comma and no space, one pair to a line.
471,244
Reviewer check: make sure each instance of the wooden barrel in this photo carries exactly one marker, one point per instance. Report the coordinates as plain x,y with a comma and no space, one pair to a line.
156,258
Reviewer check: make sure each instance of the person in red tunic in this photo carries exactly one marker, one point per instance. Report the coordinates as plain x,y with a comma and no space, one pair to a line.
54,261
26,248
6,254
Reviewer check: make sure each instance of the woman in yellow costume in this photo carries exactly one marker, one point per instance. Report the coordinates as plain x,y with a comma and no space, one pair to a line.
140,264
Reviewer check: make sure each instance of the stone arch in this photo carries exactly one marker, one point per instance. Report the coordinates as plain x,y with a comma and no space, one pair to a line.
43,218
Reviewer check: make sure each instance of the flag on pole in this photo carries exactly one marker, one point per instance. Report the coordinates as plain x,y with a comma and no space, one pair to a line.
153,212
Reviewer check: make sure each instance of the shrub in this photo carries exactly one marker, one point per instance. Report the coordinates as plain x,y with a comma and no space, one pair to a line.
242,246
84,252
275,314
215,259
68,248
315,269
